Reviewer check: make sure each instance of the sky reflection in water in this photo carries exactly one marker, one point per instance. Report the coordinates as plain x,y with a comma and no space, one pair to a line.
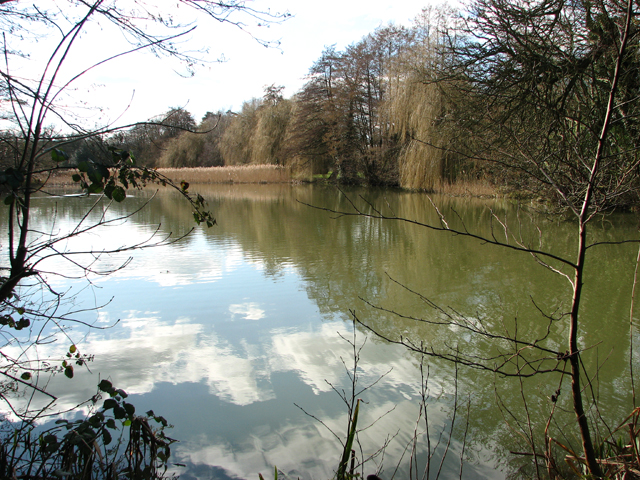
204,333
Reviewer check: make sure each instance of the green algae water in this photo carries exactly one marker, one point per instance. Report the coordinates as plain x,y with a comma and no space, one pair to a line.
241,335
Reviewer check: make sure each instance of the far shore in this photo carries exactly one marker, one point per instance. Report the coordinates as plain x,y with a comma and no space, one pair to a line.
270,174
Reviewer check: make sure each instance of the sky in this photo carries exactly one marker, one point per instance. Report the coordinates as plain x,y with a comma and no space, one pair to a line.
250,66
139,86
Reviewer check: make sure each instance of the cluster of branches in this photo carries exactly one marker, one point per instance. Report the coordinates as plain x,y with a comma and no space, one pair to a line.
540,83
103,162
552,97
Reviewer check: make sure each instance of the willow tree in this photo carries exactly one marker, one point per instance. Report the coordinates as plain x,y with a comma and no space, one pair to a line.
199,148
420,104
235,143
273,116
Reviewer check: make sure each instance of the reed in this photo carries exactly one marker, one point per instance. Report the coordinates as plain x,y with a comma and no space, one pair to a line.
467,188
229,174
205,175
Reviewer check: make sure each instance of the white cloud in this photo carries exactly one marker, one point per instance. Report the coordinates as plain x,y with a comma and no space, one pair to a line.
248,311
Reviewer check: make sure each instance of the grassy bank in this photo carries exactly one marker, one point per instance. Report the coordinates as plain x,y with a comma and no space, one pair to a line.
206,175
468,188
231,174
272,174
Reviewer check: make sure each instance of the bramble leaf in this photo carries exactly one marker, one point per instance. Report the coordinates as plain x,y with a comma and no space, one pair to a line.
119,194
59,155
105,386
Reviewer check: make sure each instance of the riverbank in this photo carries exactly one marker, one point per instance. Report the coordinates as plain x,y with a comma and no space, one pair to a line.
205,175
277,174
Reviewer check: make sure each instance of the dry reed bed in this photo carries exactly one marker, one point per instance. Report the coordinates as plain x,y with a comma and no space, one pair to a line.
272,174
205,175
468,188
231,174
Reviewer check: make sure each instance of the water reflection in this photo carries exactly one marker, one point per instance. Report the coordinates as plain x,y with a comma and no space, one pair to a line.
223,331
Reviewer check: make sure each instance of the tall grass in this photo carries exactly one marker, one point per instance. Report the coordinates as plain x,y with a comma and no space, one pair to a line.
232,174
467,188
205,175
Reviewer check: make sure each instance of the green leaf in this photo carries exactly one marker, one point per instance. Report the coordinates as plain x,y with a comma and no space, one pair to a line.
95,421
23,323
83,166
59,155
119,412
161,420
72,349
105,386
130,409
12,178
8,200
97,172
119,194
103,171
76,177
109,403
26,376
96,187
111,423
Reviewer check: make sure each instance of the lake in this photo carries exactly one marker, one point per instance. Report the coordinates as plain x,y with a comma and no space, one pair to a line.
242,335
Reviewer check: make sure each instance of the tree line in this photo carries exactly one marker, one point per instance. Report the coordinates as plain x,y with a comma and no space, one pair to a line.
353,120
508,93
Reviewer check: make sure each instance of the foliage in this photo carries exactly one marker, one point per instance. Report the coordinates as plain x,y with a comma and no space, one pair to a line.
538,77
91,447
256,135
235,144
340,124
196,149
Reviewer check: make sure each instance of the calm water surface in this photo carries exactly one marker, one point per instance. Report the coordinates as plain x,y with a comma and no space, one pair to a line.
234,332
